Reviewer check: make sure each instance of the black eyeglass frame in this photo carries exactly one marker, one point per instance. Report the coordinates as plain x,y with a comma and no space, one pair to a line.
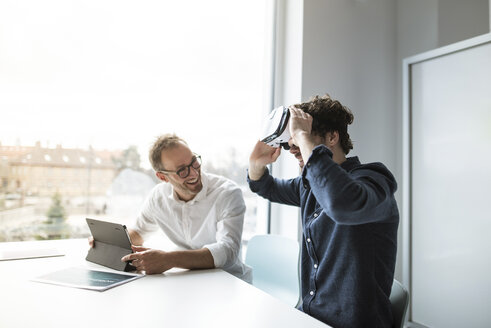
187,168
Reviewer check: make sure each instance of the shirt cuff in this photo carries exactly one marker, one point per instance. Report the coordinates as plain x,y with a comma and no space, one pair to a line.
255,184
219,254
318,152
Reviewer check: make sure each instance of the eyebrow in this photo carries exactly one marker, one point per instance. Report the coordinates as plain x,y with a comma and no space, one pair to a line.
184,165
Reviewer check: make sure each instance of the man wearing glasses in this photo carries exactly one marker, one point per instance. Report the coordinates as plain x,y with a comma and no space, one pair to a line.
203,214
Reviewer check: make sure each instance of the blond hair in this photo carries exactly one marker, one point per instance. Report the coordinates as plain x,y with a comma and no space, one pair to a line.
165,141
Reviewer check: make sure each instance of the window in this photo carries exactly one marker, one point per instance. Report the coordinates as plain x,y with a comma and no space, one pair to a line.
86,86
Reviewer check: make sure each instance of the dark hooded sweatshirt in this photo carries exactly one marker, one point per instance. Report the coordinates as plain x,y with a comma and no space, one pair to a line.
349,220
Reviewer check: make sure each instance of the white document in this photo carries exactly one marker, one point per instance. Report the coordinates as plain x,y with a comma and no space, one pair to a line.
79,277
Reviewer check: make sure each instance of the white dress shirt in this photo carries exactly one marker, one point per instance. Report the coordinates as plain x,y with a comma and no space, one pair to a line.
214,219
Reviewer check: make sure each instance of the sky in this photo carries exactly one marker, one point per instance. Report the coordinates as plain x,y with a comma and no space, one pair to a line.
112,73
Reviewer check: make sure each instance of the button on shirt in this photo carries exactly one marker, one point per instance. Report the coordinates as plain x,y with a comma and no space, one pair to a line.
349,222
213,219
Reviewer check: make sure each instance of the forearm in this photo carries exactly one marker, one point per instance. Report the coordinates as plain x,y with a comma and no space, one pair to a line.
256,171
306,145
356,197
283,191
192,259
135,238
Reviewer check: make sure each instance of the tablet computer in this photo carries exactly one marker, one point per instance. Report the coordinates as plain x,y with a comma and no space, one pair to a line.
111,243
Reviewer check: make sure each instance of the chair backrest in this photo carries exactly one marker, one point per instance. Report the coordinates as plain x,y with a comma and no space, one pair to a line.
399,300
275,266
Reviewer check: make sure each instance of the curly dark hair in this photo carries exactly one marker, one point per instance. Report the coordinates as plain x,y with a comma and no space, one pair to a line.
328,115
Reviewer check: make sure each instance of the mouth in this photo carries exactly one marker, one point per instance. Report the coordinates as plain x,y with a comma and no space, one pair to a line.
192,182
299,158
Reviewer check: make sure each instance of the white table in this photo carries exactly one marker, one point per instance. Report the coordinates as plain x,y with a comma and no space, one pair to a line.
202,298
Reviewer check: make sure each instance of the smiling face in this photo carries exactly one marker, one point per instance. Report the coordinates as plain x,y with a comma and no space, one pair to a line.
175,158
296,152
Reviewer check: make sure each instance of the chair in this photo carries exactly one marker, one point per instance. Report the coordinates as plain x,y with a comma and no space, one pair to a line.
399,300
275,263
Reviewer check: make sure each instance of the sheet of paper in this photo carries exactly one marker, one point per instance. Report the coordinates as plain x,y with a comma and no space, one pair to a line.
79,277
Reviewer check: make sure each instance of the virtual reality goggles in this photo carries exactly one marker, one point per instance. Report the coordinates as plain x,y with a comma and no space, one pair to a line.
276,132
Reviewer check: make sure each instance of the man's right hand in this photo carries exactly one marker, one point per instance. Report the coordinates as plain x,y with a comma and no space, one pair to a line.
261,155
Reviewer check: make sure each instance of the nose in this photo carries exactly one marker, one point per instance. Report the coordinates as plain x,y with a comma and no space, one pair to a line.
193,172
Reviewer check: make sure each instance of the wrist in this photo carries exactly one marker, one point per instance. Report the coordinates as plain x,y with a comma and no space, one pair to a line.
302,136
170,259
256,172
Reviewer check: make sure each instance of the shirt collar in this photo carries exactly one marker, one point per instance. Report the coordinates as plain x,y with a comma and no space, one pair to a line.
350,163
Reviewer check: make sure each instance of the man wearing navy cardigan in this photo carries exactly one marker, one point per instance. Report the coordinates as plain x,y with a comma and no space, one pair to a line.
349,217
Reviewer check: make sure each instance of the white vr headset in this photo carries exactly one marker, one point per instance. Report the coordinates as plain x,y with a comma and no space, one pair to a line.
276,132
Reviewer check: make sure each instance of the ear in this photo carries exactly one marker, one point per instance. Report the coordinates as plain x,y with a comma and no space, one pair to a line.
162,176
332,138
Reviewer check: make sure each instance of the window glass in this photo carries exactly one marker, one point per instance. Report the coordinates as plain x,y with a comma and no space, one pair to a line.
86,86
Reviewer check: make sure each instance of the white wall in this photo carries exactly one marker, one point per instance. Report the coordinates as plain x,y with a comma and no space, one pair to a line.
349,51
460,20
424,25
353,50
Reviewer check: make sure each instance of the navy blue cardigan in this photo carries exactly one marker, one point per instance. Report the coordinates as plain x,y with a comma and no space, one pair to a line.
350,220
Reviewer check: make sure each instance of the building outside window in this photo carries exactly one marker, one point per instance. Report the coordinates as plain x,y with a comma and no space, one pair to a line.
86,87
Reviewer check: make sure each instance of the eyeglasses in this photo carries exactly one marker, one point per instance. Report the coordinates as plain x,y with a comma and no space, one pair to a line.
183,172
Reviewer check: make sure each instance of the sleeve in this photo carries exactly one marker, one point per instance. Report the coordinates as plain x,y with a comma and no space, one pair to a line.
362,197
145,223
230,222
283,191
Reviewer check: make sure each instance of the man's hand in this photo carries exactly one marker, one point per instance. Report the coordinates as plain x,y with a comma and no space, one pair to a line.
300,125
261,155
149,260
301,132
